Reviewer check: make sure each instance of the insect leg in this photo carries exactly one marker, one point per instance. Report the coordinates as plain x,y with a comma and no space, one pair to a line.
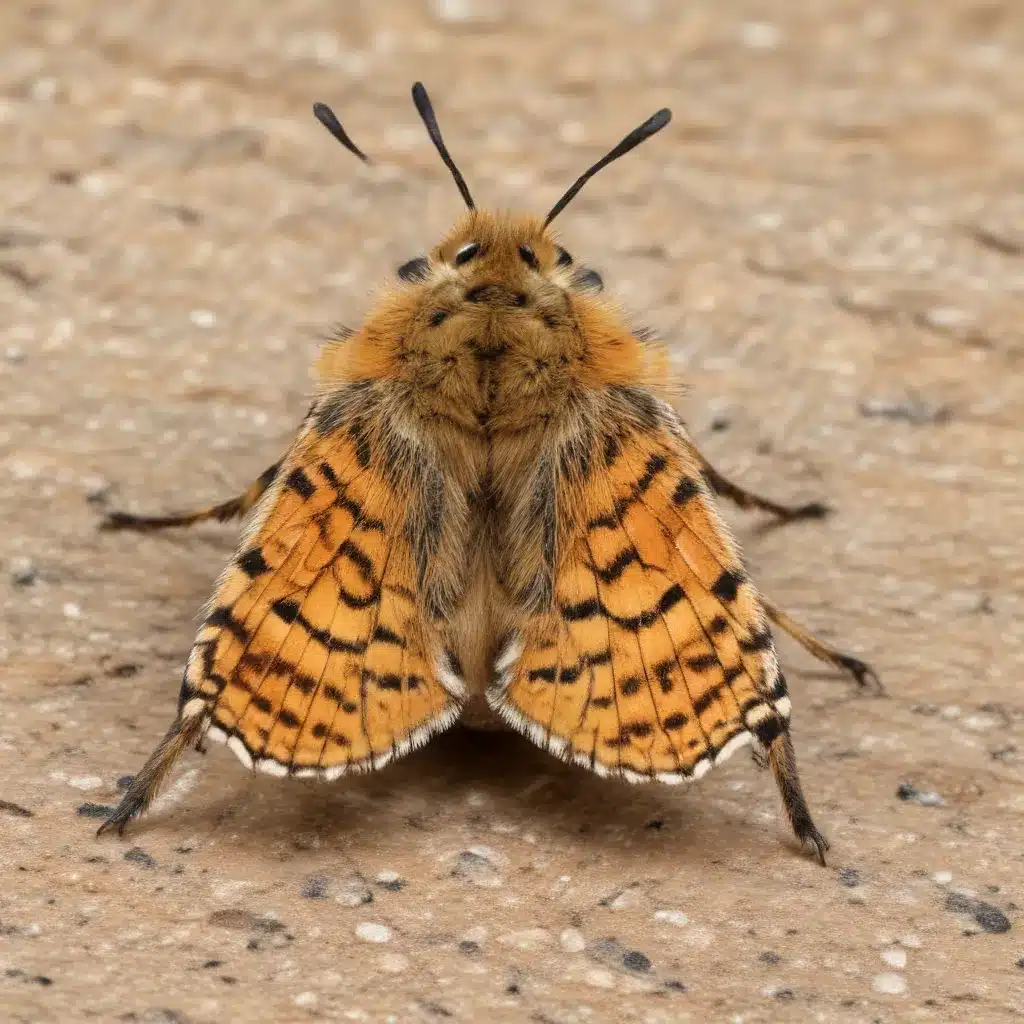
186,731
783,764
747,500
862,672
226,510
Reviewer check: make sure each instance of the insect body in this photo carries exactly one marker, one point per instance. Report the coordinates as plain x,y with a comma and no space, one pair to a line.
487,501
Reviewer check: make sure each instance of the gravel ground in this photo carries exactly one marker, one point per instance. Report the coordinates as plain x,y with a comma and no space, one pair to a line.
830,235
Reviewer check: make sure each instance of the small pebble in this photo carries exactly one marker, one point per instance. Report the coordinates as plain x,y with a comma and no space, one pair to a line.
90,810
908,791
23,572
634,960
943,877
992,919
889,984
572,940
203,318
370,932
760,35
769,957
306,1000
850,877
676,917
136,855
895,958
315,887
354,892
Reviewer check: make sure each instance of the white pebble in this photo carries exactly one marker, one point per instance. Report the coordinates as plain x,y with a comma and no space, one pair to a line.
600,978
911,941
386,877
85,782
943,877
895,958
572,940
204,318
369,932
676,917
889,984
72,610
477,934
760,35
305,999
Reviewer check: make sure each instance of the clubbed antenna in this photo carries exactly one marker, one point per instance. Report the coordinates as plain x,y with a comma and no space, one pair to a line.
426,111
651,126
326,117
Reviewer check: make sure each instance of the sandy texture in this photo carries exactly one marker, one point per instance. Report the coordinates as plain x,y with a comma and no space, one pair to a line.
831,236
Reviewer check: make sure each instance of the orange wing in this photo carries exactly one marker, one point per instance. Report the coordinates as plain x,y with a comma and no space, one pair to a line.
315,657
656,660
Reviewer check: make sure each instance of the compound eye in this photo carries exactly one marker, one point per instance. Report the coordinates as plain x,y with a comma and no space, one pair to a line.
529,257
415,271
466,253
564,258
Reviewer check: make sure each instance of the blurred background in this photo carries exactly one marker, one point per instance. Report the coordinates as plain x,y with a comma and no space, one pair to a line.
830,237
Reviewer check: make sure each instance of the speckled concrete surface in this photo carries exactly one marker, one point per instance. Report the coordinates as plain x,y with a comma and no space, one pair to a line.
831,235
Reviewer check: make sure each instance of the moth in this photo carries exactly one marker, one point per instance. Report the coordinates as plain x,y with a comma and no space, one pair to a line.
489,500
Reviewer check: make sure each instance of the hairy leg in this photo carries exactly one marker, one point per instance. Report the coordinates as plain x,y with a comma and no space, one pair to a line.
227,510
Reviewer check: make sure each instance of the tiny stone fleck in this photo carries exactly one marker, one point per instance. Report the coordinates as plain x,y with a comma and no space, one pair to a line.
769,957
572,940
850,877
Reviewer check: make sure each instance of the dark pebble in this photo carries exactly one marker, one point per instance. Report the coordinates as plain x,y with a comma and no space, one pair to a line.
957,903
785,993
213,963
395,885
227,979
88,810
315,887
42,979
125,781
992,919
719,423
1020,963
850,877
675,986
655,823
768,957
139,856
907,791
469,946
636,961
